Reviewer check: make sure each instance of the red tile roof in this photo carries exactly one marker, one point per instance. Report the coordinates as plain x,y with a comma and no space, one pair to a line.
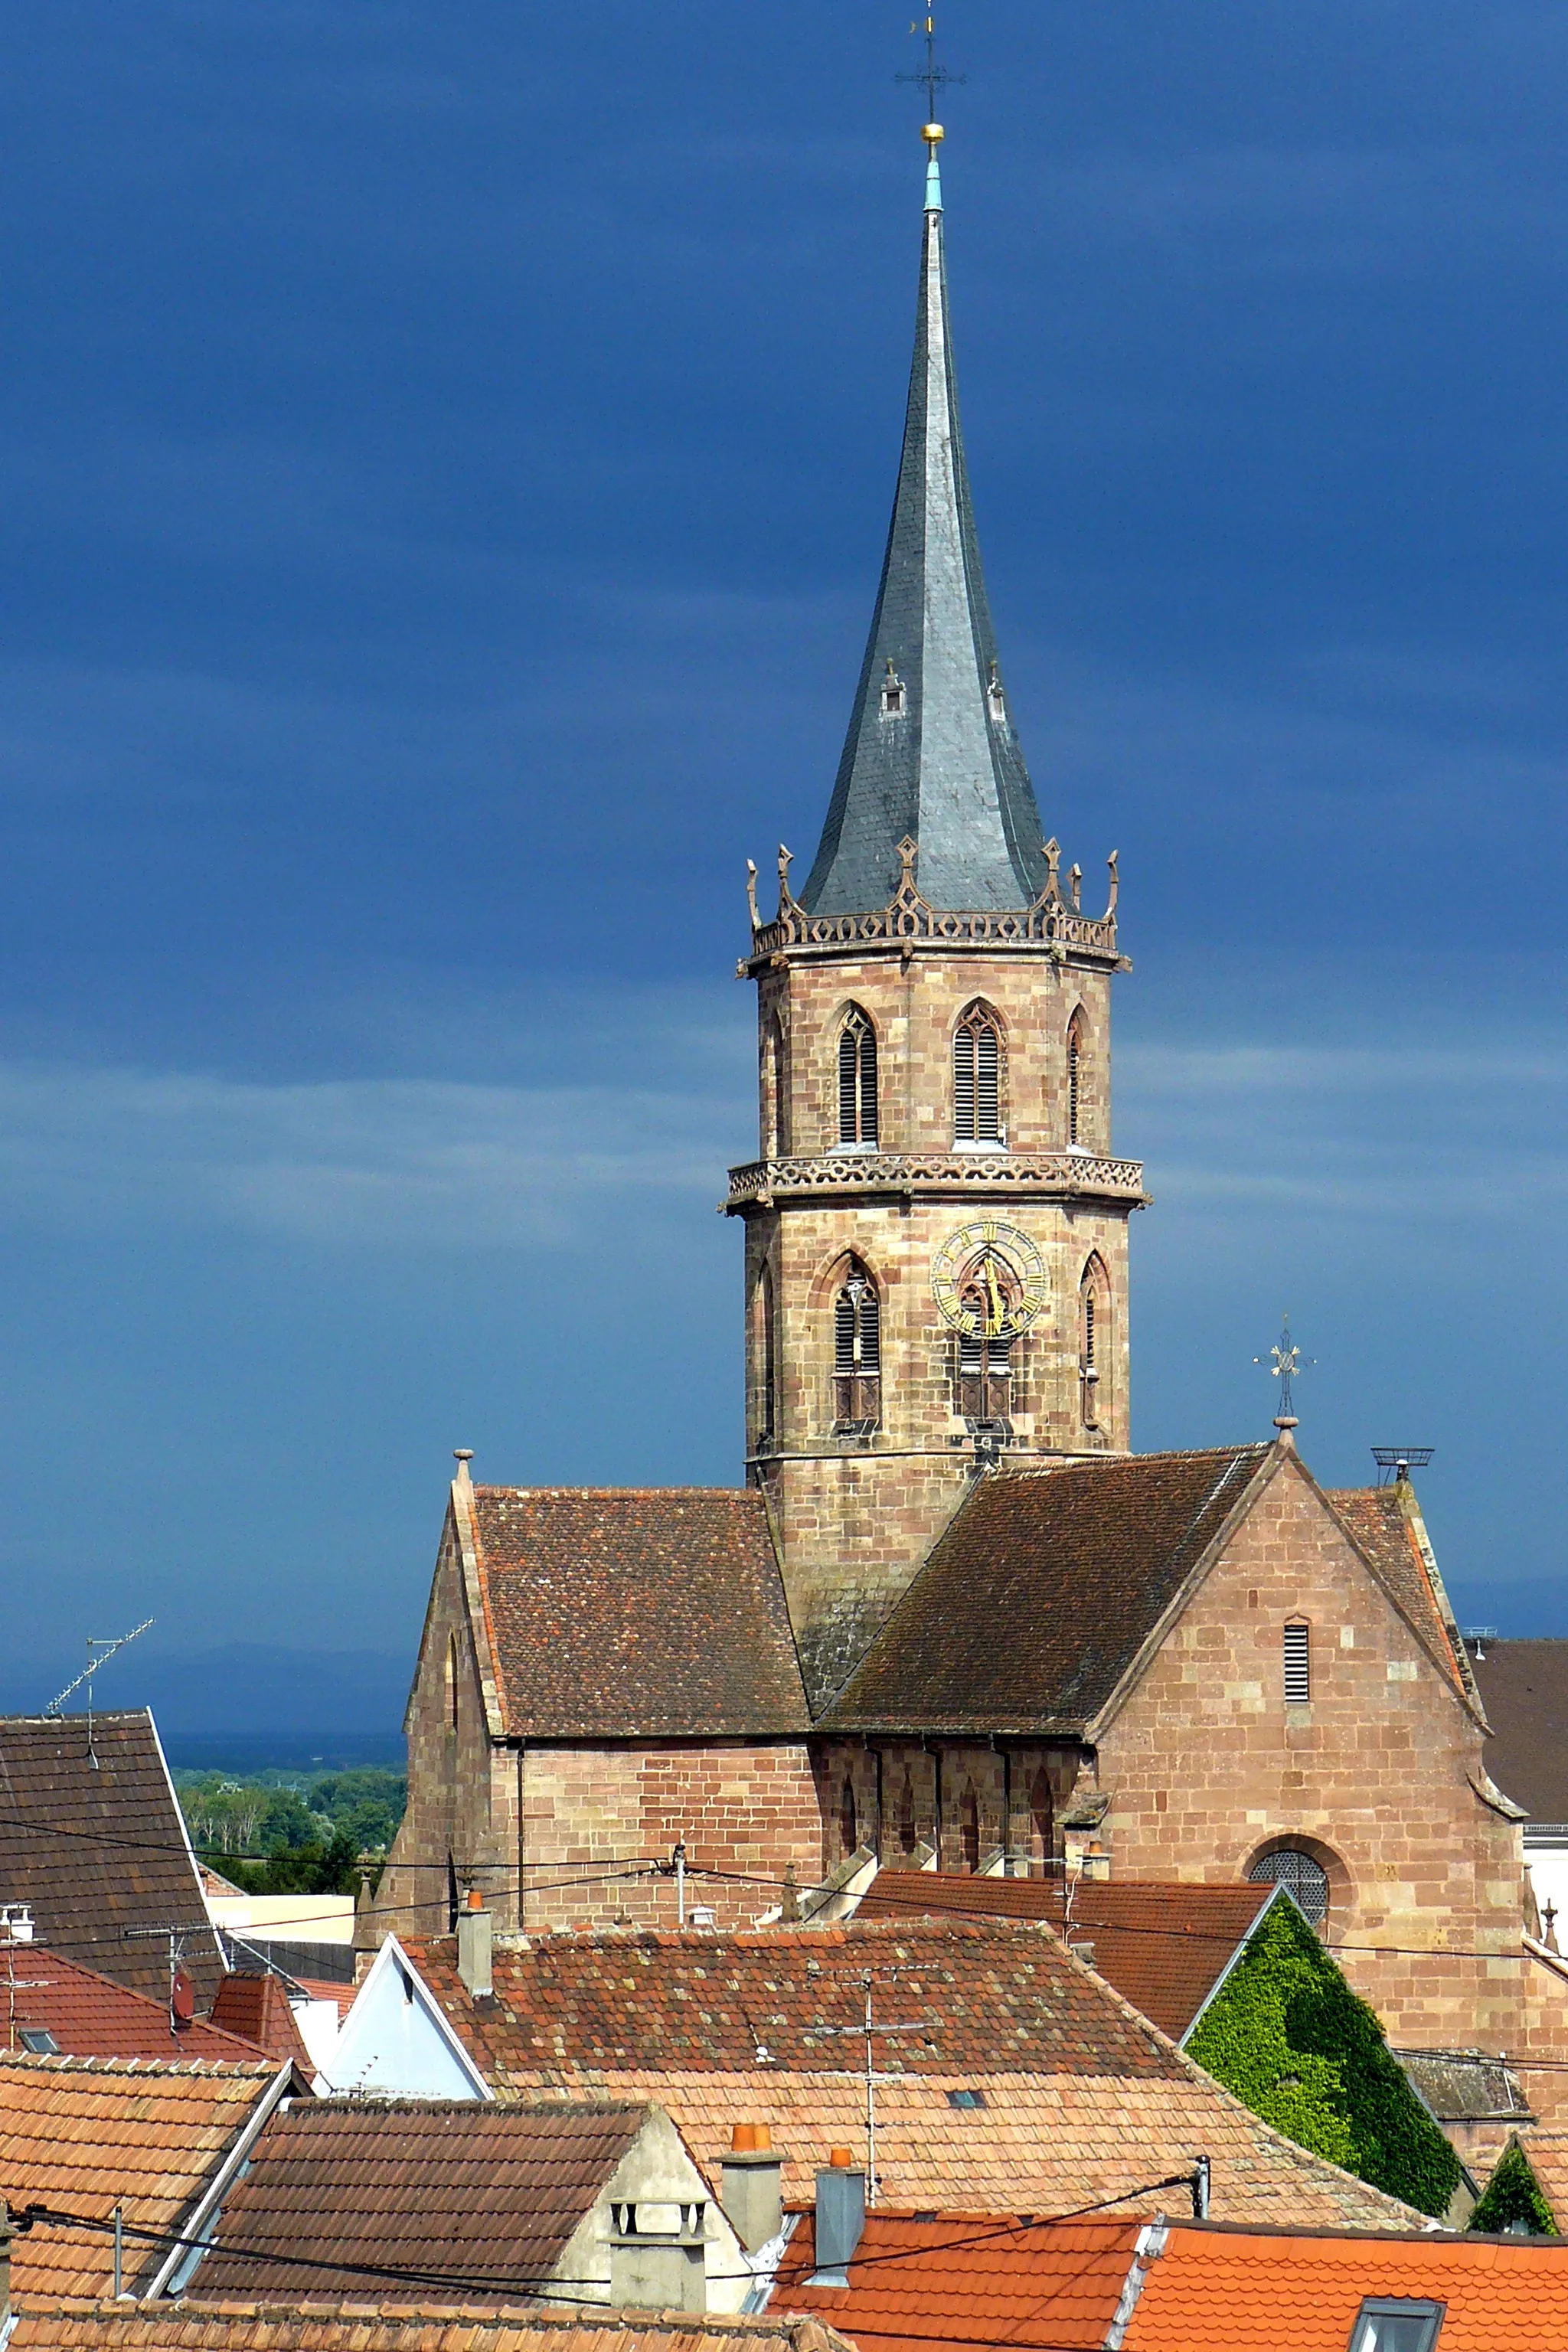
966,2282
1083,2098
97,1849
385,2327
84,2135
1218,2290
1164,1945
90,2016
256,2007
650,1612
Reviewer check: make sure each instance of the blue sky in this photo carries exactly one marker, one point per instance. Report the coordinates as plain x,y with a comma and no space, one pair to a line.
447,456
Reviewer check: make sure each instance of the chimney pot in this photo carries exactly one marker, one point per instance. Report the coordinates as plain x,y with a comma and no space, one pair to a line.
753,2187
840,2218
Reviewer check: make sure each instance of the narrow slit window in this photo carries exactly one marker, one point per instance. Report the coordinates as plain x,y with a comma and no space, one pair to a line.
892,692
857,1079
1298,1665
977,1079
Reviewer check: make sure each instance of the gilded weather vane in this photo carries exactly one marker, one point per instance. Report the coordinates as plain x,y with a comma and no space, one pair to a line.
934,77
1284,1361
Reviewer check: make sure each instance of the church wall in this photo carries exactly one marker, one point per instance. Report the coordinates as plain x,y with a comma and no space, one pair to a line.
462,1791
1018,1801
748,1807
1205,1766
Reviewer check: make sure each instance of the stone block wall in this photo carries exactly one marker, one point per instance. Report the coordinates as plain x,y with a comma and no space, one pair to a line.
589,1814
965,1798
1206,1768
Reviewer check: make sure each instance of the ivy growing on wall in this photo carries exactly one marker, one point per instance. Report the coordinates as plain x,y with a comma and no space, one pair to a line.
1512,2195
1288,2037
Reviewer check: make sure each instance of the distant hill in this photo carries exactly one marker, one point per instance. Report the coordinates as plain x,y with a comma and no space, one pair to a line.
249,1690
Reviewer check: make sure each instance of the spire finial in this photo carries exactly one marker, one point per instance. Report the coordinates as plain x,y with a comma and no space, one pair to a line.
931,79
1284,1361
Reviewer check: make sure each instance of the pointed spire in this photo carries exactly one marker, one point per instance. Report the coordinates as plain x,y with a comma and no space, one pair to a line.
932,752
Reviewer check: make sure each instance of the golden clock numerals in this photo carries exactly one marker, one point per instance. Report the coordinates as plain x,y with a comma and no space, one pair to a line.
999,1262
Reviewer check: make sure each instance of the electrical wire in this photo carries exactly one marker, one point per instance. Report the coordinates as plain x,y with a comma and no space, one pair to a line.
473,2282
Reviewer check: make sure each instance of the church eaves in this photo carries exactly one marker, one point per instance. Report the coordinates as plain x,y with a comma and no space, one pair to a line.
931,755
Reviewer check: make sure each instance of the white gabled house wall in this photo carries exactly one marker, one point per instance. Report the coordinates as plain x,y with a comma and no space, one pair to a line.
396,2041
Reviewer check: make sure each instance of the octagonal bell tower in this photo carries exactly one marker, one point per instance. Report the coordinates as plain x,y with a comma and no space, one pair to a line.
936,1230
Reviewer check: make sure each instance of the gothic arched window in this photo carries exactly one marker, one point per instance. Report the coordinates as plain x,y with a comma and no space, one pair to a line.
1043,1814
451,1693
856,1353
977,1077
1094,1358
969,1828
907,1814
848,1828
1075,1076
857,1079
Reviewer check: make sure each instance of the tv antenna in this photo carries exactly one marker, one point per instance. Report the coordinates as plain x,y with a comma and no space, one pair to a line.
101,1648
1395,1463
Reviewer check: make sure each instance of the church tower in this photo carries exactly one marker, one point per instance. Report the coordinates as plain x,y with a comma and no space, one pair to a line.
936,1230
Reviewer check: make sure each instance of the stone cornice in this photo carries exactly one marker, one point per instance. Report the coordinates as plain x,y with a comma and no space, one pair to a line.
990,1176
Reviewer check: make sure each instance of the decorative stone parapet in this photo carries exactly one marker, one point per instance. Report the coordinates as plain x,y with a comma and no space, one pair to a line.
1077,1175
1053,924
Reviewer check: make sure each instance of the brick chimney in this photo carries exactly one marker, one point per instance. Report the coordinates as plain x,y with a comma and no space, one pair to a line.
752,2194
474,1947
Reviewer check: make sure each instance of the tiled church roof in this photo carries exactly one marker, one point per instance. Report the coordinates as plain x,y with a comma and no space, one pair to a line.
1525,1686
636,1613
1380,1527
947,770
1078,1564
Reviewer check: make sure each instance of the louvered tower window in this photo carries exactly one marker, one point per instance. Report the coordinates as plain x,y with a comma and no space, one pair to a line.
857,1079
1298,1665
1075,1077
856,1353
977,1079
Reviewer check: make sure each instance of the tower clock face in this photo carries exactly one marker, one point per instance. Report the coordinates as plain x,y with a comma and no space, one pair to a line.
988,1278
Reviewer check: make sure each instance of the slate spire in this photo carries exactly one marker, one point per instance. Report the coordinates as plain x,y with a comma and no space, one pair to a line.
932,752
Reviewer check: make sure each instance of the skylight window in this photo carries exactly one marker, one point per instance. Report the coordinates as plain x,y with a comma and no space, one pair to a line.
39,2041
1385,2324
966,2098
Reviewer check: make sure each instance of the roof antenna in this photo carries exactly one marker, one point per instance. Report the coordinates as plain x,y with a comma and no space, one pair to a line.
104,1648
1284,1361
1395,1463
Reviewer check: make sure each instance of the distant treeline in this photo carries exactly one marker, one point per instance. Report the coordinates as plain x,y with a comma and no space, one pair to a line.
301,1835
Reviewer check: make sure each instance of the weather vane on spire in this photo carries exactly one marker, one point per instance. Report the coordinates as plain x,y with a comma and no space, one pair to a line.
1284,1361
934,77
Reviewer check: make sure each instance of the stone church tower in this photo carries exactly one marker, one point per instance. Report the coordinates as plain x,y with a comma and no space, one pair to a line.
936,1232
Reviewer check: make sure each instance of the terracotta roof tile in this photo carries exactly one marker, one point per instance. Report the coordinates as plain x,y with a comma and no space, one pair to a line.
493,2192
384,2325
967,2282
1163,1945
1548,2155
636,1612
1078,1563
98,1850
255,2008
90,2016
1081,2098
84,2135
1239,2291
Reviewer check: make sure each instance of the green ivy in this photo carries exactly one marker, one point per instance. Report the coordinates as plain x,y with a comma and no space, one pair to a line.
1514,2195
1288,2037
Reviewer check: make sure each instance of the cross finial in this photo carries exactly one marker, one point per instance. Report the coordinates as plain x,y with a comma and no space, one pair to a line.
933,78
1283,1363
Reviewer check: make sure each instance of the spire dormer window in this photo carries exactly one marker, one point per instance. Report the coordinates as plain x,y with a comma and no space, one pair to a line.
996,700
857,1355
892,692
856,1081
977,1079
